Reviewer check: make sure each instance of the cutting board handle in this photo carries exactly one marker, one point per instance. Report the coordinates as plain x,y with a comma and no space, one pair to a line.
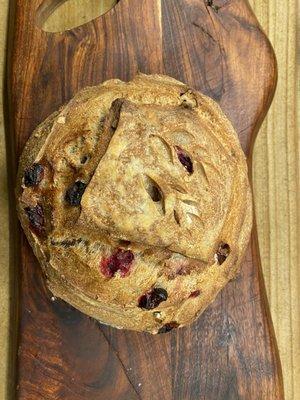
47,7
43,9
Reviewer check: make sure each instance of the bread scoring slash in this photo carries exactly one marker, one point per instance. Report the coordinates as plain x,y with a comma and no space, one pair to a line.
135,199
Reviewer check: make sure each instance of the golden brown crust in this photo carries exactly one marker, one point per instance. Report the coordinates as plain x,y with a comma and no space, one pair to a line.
136,202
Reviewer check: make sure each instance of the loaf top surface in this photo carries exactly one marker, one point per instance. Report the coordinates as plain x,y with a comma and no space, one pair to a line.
136,201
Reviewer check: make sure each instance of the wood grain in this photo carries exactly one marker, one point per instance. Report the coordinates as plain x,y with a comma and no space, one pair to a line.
257,370
277,189
5,275
283,36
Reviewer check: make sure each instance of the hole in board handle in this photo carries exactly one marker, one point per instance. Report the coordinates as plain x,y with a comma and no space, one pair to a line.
62,15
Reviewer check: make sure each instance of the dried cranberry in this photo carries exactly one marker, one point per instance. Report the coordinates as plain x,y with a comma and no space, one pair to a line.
36,218
153,298
194,294
223,252
119,262
33,175
185,160
74,193
168,327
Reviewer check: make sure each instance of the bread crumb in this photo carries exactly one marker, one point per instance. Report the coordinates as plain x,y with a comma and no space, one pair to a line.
61,120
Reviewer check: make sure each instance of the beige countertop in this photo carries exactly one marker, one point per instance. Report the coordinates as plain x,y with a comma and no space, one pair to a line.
276,188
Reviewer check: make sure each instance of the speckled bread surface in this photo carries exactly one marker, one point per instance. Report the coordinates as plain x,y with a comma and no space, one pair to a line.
135,199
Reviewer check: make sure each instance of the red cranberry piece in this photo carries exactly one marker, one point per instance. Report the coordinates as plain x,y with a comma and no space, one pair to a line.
168,327
185,160
152,299
194,294
33,175
74,193
222,252
119,262
36,218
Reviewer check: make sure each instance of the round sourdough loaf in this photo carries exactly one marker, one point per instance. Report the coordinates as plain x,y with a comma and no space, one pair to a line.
135,199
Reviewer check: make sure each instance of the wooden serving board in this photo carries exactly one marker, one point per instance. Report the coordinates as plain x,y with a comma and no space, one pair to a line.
230,353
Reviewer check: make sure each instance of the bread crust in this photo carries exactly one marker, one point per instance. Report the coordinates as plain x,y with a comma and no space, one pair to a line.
144,195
